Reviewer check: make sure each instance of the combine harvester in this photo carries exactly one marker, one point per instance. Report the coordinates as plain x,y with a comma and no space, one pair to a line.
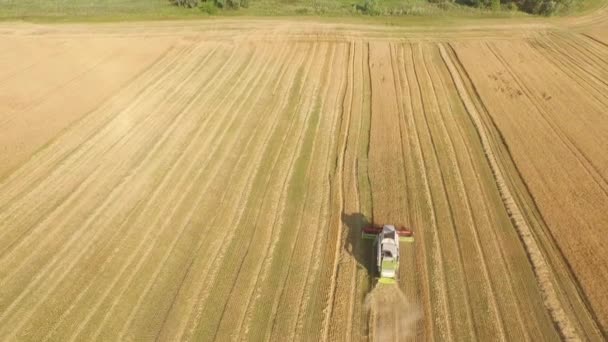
386,239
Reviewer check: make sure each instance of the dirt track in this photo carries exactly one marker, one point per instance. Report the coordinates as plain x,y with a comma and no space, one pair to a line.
208,180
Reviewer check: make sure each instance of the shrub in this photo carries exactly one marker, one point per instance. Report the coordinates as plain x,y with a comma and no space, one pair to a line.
233,4
370,7
208,7
186,3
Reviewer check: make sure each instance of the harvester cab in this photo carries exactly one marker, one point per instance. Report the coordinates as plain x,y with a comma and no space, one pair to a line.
386,240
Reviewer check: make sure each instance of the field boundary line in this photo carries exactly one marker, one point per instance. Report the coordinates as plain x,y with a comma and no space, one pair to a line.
540,266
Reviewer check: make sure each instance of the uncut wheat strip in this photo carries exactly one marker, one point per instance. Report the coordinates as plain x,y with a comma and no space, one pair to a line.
387,175
164,226
584,48
555,116
492,217
569,288
541,270
303,104
74,146
457,142
313,207
185,291
566,64
593,123
438,287
452,199
521,291
561,132
583,214
563,161
314,102
258,123
66,247
536,183
286,74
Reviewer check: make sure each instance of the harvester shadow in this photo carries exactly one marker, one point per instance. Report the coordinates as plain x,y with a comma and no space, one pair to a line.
361,250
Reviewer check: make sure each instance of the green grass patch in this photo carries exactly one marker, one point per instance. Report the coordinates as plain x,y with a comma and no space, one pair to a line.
387,11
